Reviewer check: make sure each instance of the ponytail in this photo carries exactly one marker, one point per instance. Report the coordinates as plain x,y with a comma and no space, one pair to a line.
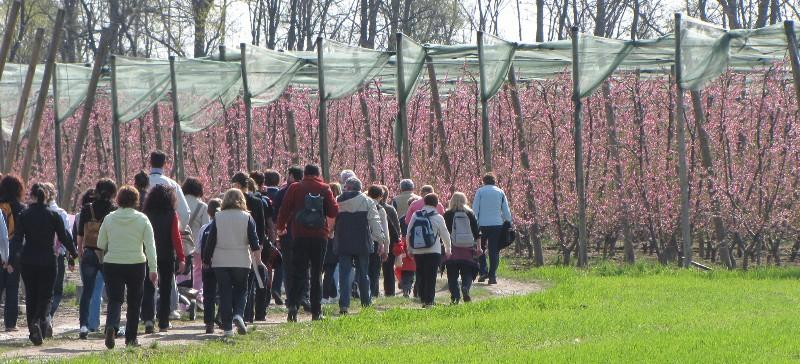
38,193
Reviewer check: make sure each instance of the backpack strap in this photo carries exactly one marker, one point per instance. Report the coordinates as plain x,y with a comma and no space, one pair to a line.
195,214
91,211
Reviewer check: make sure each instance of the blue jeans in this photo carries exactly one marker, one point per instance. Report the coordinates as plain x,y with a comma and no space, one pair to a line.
490,236
9,284
97,302
362,277
232,285
90,268
209,295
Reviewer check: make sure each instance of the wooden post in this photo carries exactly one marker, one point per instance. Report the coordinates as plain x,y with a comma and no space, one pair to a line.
791,40
680,129
57,137
248,109
106,37
115,140
11,152
402,110
583,257
437,113
41,101
322,115
486,136
177,143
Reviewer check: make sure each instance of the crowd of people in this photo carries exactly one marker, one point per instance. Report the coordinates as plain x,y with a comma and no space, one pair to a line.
322,242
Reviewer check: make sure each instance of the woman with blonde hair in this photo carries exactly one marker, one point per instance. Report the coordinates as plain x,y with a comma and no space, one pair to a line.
465,237
233,244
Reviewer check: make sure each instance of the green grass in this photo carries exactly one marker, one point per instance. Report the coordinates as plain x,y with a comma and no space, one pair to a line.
644,313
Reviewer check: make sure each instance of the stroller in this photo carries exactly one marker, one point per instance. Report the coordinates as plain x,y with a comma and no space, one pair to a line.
187,294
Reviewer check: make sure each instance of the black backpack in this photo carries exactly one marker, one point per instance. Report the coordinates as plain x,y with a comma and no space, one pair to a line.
312,215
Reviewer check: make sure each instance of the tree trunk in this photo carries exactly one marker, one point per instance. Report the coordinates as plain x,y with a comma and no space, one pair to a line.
200,10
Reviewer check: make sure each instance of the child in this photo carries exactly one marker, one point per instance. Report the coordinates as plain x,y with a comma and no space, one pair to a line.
209,279
406,268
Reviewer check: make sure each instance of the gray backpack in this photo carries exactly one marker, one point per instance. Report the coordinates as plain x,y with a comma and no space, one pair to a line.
462,231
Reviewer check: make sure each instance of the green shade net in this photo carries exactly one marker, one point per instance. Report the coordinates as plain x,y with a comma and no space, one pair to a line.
204,89
11,84
496,56
141,83
413,63
597,59
70,89
347,68
269,73
704,53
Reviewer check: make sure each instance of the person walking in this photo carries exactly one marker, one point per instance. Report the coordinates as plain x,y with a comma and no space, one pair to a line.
234,250
271,181
306,206
426,230
37,226
400,202
11,191
466,247
389,282
256,207
491,210
160,210
330,289
359,233
419,203
128,245
61,253
209,280
199,217
89,222
378,256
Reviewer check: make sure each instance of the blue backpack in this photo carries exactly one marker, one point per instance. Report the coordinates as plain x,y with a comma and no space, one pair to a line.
420,234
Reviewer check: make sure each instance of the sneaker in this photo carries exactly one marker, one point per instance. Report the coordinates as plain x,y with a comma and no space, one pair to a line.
292,315
228,334
343,311
47,330
132,344
210,328
110,337
35,335
467,298
149,328
240,326
482,278
317,317
84,333
454,301
175,315
492,280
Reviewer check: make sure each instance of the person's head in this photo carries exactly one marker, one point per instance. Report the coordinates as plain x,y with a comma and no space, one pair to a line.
158,159
375,192
239,180
385,193
272,178
336,188
311,170
160,197
412,199
88,197
193,186
251,185
141,180
214,205
406,185
38,193
431,200
11,188
489,179
346,175
128,197
294,174
234,200
51,192
258,177
458,202
105,189
353,184
425,190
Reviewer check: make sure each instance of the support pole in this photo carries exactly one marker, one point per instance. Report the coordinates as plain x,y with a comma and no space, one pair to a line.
322,115
57,141
11,152
486,136
248,108
106,37
791,40
583,257
402,111
41,101
177,142
680,129
115,140
5,47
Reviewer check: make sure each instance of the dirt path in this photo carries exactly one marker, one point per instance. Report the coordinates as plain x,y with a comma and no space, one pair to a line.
15,345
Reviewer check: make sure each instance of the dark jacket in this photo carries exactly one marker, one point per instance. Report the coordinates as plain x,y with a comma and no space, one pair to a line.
101,209
294,201
358,225
169,246
256,207
38,226
394,225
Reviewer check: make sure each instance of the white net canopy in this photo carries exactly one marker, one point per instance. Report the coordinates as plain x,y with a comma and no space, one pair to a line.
11,86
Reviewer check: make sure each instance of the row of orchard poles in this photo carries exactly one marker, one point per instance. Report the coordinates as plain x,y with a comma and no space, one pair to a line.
109,34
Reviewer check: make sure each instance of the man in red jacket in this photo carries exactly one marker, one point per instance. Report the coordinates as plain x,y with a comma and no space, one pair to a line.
304,209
